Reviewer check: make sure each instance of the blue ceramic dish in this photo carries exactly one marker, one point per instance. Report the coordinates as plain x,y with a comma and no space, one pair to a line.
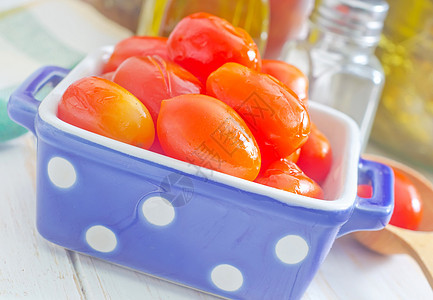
190,225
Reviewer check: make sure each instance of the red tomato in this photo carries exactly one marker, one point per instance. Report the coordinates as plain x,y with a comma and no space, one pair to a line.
316,156
136,46
408,207
365,191
294,157
202,42
103,107
269,156
152,79
288,74
206,132
286,175
274,114
156,147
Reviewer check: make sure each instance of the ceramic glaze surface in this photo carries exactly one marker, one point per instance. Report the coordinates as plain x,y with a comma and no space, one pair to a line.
186,224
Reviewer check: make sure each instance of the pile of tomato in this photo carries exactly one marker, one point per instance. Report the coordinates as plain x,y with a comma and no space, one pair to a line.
204,96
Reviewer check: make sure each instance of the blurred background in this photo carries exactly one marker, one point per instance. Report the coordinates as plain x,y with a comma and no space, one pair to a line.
402,125
398,111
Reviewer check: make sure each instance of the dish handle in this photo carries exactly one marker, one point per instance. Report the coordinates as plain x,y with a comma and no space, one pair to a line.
23,105
375,212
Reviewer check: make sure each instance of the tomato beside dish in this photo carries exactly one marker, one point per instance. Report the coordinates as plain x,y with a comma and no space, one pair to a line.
136,46
287,176
274,114
202,42
408,206
152,79
103,107
206,132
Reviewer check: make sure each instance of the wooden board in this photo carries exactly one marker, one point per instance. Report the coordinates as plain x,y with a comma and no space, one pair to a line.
33,268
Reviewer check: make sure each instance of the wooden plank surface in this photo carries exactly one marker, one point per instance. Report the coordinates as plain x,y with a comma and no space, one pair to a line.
29,266
32,268
351,271
116,282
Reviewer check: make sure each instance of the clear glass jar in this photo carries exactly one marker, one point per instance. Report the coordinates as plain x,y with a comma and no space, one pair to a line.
338,57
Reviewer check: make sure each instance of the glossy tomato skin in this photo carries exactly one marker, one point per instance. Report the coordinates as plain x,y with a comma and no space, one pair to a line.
315,159
153,79
269,156
103,107
206,132
136,46
289,75
274,114
202,42
365,191
408,208
287,176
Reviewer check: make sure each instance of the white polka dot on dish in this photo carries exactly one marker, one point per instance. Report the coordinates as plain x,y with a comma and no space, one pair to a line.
61,172
291,249
158,211
101,239
227,277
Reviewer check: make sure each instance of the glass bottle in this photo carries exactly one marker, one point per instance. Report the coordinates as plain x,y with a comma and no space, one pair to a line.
338,57
159,17
404,119
287,22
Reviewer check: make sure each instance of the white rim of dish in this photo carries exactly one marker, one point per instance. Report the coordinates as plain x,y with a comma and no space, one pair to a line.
48,113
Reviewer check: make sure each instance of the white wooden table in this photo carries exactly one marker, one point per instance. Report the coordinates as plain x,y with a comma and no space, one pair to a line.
32,268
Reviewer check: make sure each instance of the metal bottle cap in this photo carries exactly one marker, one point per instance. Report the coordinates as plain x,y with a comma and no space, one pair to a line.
360,20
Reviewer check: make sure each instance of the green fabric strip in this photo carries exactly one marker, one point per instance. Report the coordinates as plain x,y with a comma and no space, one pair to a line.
24,32
8,128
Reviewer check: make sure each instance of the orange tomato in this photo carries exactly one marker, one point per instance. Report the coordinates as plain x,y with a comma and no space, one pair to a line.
269,156
103,107
202,42
315,159
288,74
274,114
152,79
136,46
287,176
206,132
